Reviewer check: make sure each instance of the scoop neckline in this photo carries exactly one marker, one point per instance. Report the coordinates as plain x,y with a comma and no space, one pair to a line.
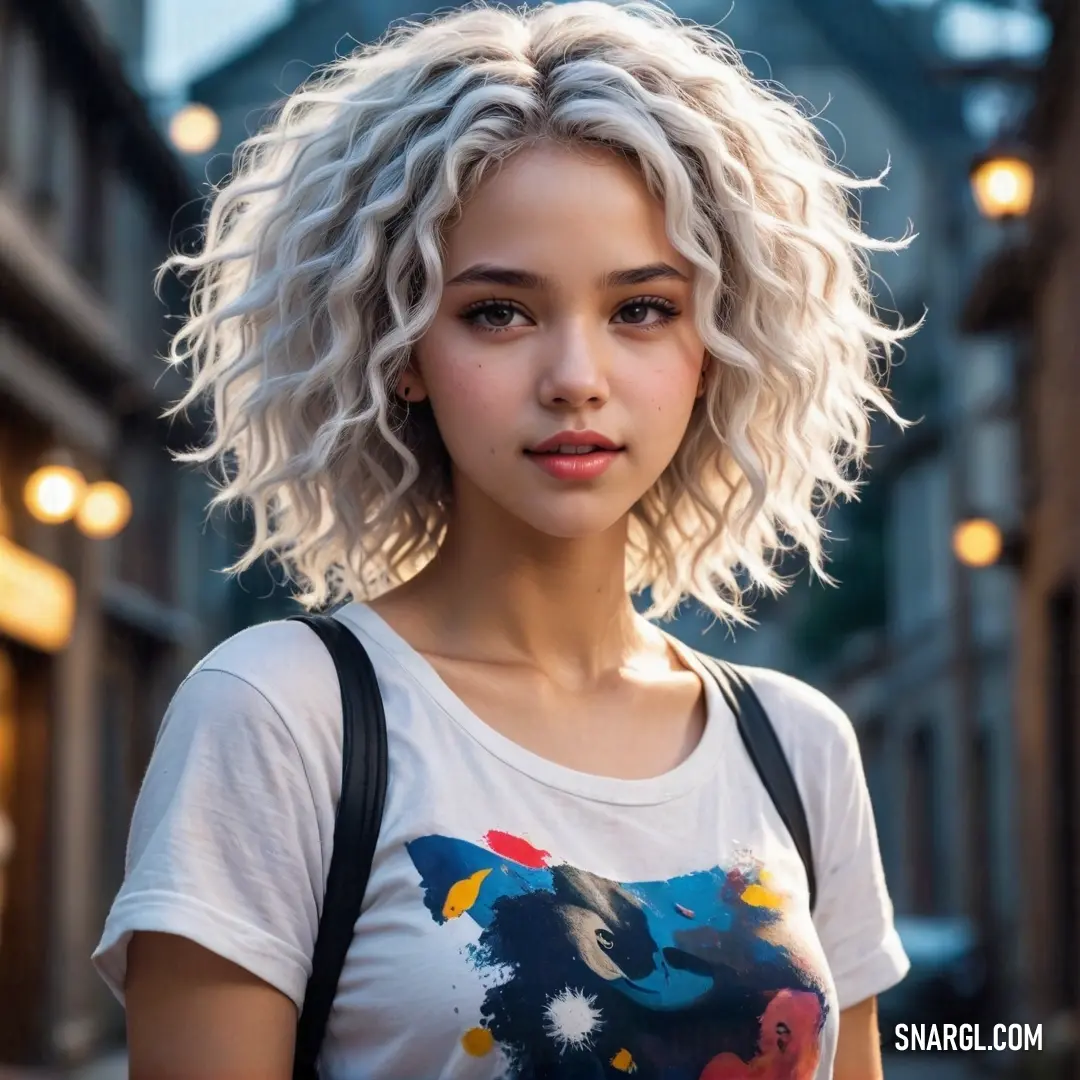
697,767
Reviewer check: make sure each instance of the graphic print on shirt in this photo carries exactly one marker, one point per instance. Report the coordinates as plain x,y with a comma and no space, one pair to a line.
693,978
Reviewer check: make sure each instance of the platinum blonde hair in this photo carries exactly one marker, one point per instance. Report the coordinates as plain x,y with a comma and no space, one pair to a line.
320,269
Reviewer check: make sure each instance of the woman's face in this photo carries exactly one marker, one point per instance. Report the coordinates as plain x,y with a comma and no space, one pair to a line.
563,364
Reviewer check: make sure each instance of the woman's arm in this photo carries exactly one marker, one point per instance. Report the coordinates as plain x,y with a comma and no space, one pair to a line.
858,1045
226,855
192,1015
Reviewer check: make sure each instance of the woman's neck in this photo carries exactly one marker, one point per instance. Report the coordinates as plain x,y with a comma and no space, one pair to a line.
510,595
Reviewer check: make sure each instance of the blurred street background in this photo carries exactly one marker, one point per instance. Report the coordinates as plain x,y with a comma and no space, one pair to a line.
952,640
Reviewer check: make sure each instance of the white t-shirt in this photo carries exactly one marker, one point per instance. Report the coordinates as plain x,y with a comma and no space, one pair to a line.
523,919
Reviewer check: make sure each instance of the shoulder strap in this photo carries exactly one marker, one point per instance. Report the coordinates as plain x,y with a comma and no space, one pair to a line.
356,831
763,746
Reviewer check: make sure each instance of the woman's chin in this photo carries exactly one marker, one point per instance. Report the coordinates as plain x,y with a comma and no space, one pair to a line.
574,522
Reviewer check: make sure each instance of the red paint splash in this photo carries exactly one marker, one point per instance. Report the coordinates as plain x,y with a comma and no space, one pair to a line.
789,1046
520,851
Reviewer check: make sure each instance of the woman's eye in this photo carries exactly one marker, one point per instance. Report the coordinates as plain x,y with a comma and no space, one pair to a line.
492,316
499,314
646,313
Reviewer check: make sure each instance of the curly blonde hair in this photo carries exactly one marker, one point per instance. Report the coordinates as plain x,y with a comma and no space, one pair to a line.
321,268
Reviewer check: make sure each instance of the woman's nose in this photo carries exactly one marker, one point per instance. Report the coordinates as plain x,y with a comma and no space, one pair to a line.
576,368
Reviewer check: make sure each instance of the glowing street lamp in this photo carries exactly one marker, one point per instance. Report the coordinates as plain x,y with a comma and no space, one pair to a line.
1003,184
54,492
104,511
195,129
978,542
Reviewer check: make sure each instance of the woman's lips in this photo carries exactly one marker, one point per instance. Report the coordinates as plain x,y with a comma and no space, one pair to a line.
587,466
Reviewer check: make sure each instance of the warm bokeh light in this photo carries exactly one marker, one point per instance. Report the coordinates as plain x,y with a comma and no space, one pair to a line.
195,129
104,511
1003,186
37,599
53,493
978,542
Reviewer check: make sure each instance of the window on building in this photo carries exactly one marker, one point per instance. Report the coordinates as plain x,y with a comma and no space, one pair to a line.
828,620
145,549
920,519
922,820
1061,674
25,96
55,206
993,454
88,237
38,129
6,84
50,150
137,245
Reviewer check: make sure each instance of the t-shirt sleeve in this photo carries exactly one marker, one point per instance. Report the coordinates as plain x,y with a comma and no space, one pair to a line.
854,913
225,846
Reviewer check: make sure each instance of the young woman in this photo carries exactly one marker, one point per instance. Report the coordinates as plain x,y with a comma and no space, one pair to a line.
503,321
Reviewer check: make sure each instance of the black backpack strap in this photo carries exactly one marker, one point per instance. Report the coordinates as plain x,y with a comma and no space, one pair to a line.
763,746
356,831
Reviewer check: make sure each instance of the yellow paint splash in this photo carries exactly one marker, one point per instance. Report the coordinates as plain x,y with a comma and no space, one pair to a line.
759,896
477,1042
624,1062
463,894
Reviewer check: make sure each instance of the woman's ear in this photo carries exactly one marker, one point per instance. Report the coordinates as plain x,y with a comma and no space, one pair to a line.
410,385
702,385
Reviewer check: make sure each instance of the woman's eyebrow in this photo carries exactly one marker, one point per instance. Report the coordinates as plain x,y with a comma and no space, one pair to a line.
489,274
638,275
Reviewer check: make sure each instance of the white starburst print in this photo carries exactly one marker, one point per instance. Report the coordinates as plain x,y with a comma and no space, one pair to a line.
570,1018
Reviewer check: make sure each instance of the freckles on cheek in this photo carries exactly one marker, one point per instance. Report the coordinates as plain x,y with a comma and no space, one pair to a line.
484,391
462,384
475,405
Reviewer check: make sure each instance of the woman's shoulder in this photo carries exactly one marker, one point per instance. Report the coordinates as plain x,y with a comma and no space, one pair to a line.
273,674
283,667
804,717
822,749
269,656
281,661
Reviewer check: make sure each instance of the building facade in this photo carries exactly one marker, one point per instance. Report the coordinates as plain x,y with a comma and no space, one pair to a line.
1028,294
94,634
